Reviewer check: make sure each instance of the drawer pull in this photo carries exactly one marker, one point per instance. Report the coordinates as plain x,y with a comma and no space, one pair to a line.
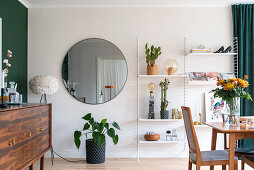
29,134
40,129
13,141
10,143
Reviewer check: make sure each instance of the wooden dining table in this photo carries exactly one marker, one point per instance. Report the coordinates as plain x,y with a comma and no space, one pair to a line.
235,133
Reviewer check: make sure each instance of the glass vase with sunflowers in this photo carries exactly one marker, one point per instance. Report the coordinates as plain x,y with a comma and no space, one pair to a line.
231,90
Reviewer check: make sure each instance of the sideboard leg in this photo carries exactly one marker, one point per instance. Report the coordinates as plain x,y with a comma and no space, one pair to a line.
31,167
42,163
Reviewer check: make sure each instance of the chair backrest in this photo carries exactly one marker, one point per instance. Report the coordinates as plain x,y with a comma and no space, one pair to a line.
190,130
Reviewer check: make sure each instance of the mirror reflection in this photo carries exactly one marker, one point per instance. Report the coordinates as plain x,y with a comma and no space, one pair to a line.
94,71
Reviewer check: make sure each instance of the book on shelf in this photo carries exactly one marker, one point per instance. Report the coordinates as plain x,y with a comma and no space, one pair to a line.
201,51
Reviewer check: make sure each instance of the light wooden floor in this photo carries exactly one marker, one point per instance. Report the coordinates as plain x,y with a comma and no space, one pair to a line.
124,164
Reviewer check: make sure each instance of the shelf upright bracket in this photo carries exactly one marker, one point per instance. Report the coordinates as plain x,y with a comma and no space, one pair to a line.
235,57
138,99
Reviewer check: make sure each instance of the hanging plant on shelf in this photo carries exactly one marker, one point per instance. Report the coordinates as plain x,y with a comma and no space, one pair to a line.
151,55
164,103
6,70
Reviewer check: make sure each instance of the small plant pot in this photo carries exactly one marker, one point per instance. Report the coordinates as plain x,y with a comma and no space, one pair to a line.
94,153
164,114
152,70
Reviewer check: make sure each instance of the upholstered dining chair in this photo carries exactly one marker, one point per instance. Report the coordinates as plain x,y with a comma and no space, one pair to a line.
239,152
249,160
202,158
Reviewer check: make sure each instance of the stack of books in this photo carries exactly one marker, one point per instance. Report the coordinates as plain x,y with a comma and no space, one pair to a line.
201,51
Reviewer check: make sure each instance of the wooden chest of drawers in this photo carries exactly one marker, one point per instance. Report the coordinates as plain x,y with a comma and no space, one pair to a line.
25,135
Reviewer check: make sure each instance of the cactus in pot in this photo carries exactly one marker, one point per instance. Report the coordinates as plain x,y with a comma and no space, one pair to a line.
164,103
151,55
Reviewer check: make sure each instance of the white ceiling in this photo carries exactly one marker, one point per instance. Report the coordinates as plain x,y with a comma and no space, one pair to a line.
129,3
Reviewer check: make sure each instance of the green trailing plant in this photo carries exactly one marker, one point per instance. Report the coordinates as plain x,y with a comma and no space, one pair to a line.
152,54
164,87
97,130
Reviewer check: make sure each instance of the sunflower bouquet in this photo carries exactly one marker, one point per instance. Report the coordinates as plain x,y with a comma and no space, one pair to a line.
232,88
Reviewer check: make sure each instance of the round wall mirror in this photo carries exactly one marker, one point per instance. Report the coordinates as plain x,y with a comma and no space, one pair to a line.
94,71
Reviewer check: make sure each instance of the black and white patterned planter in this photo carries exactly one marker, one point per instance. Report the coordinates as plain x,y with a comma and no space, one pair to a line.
94,153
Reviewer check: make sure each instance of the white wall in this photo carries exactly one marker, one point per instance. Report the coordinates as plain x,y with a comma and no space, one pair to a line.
53,31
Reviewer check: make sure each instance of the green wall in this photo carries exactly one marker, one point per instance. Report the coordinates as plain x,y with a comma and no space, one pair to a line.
14,23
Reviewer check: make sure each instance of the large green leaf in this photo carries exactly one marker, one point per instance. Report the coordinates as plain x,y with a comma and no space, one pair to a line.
87,116
86,126
116,125
95,126
115,139
95,134
91,121
100,127
103,121
101,139
77,135
106,125
111,132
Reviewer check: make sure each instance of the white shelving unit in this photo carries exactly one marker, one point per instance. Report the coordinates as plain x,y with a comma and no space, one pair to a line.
158,121
186,82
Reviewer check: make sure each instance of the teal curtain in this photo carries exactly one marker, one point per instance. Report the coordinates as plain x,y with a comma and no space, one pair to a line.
243,29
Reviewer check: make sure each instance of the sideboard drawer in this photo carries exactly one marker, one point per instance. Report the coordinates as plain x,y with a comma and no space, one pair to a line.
24,135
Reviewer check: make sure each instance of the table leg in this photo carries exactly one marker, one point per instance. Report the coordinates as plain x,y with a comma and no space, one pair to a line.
42,163
231,150
213,144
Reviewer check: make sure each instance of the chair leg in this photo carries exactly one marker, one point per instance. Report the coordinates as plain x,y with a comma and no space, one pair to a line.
236,165
223,167
197,167
211,167
190,166
242,165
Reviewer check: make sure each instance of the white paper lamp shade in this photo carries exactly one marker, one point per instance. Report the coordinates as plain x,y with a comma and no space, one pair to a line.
44,84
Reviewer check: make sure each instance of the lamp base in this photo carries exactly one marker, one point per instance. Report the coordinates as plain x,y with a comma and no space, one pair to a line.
171,71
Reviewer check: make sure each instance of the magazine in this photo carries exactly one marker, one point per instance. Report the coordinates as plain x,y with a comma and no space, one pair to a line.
212,76
198,76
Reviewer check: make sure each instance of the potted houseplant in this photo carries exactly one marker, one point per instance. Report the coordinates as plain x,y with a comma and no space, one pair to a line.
151,55
95,146
164,103
231,90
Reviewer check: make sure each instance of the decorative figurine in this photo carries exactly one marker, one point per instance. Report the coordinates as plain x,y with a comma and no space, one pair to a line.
200,119
151,114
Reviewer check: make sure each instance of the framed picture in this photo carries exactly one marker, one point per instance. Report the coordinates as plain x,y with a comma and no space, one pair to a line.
226,76
215,108
212,76
197,76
